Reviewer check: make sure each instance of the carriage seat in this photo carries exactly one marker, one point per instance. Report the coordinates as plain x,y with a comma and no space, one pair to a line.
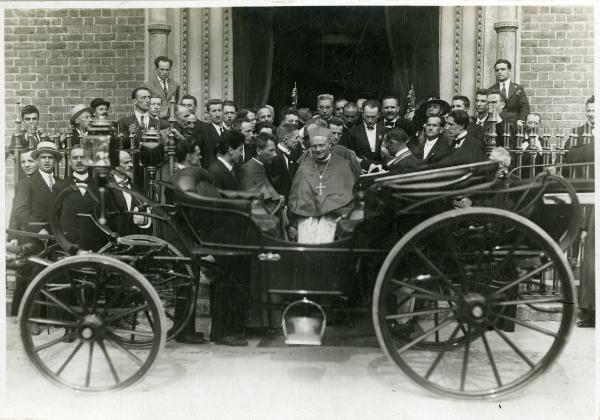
195,186
441,179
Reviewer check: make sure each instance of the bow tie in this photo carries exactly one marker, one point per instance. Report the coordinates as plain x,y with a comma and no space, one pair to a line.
81,181
370,128
389,124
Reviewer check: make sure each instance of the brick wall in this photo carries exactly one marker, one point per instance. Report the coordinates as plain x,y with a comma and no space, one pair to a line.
557,62
56,59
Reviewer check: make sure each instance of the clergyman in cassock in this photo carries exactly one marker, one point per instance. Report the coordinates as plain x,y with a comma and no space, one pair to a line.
321,191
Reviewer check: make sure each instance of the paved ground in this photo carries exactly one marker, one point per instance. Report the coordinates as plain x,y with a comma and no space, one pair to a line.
267,381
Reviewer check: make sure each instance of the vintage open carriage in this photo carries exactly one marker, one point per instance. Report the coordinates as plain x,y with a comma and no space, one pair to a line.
446,286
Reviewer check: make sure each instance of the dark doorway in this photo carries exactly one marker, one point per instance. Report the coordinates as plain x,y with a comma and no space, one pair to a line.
349,52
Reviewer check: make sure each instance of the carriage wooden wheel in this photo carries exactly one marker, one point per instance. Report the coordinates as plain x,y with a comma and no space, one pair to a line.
453,284
82,303
156,260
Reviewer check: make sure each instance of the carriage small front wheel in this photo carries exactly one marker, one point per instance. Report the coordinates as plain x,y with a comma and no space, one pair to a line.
451,309
81,303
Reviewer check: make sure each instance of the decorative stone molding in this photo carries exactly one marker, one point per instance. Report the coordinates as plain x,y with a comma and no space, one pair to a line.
458,12
159,28
226,47
205,53
506,26
184,51
480,42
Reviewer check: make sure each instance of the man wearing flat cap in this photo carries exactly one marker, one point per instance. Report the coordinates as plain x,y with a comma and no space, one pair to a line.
80,117
321,191
99,109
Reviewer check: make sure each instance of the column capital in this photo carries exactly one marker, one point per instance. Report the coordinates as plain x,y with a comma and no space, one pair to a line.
159,28
506,26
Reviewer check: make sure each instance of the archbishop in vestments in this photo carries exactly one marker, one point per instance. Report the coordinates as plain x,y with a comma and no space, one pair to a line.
321,191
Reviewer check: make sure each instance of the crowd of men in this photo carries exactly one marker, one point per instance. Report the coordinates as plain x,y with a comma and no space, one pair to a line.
305,165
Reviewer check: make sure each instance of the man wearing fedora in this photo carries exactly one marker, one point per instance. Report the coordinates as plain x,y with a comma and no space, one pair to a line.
162,85
99,109
80,117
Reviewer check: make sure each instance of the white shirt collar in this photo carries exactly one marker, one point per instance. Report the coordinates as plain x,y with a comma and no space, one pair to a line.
227,164
161,81
47,177
81,177
218,127
432,140
284,149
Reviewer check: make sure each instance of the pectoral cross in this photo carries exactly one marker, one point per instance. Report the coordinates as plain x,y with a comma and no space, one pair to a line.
321,186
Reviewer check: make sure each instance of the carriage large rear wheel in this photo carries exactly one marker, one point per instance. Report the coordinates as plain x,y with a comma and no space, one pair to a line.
81,303
449,306
172,280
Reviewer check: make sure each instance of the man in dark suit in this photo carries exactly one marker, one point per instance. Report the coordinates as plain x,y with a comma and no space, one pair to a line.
517,104
252,176
433,147
394,149
465,148
31,205
79,230
119,202
229,151
366,138
283,166
588,128
228,302
154,111
350,118
211,132
79,119
30,117
244,126
162,85
140,120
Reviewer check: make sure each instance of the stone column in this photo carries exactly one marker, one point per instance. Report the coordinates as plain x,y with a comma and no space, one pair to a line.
158,29
447,34
506,28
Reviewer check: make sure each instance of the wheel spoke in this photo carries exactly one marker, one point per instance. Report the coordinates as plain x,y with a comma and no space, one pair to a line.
463,373
531,301
66,362
435,296
54,322
435,269
126,313
61,304
88,375
79,294
114,342
143,333
491,358
441,354
55,341
523,278
513,346
527,325
113,371
414,314
425,335
150,321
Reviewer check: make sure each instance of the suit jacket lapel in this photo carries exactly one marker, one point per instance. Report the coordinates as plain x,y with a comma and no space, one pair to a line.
40,184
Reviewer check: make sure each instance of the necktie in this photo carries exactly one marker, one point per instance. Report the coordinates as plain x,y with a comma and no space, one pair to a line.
165,88
51,182
144,125
455,143
504,90
370,127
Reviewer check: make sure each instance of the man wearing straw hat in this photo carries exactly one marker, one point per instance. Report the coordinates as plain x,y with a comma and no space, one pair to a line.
33,195
79,119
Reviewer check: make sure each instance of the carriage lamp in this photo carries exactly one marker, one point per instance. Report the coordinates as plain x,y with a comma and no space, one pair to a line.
18,144
101,151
